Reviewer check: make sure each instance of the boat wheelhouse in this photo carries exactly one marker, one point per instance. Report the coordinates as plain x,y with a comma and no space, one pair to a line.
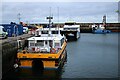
47,49
51,31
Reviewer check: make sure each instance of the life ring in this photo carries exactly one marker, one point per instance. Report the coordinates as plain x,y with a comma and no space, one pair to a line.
53,50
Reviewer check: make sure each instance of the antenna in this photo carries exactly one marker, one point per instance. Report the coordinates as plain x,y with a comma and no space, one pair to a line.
50,11
58,14
58,21
49,18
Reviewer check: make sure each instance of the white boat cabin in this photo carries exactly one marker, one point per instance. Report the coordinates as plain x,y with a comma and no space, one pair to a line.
48,31
48,42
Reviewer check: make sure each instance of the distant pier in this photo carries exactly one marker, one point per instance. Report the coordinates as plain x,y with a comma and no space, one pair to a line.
86,27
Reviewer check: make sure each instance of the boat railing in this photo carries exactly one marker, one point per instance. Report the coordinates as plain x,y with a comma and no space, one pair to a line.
41,50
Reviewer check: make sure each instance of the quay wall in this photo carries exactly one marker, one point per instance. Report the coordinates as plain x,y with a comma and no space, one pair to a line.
9,52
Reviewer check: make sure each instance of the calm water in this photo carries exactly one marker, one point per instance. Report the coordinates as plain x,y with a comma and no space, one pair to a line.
92,56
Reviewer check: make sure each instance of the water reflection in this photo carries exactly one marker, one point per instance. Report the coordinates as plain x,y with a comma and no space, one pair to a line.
30,74
35,73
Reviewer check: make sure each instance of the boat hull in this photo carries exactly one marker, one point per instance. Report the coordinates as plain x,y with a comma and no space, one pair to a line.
101,31
42,60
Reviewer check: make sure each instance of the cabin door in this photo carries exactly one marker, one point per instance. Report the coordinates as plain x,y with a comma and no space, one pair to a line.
46,43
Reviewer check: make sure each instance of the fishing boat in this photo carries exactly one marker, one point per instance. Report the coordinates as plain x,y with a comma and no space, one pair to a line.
47,49
72,30
99,29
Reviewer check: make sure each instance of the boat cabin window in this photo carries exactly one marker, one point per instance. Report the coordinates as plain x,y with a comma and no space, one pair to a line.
54,32
40,43
44,32
32,44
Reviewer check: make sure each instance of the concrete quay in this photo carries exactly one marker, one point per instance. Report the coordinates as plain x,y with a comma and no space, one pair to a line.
8,52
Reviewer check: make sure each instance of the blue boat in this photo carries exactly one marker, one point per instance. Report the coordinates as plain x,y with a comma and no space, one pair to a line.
99,29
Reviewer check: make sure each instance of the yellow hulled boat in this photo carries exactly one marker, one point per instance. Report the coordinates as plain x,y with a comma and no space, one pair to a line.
46,50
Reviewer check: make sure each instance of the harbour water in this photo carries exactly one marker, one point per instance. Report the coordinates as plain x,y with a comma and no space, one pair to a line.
91,56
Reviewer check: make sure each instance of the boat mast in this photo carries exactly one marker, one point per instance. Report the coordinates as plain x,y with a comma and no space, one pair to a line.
58,21
50,18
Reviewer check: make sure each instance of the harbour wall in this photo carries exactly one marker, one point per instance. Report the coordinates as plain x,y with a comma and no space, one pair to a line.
86,27
9,50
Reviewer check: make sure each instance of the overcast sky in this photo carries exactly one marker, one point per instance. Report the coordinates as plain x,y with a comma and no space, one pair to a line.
36,12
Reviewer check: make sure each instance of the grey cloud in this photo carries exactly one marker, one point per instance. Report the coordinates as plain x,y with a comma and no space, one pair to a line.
37,11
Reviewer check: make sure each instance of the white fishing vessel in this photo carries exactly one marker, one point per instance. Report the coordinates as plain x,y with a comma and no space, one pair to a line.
70,29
